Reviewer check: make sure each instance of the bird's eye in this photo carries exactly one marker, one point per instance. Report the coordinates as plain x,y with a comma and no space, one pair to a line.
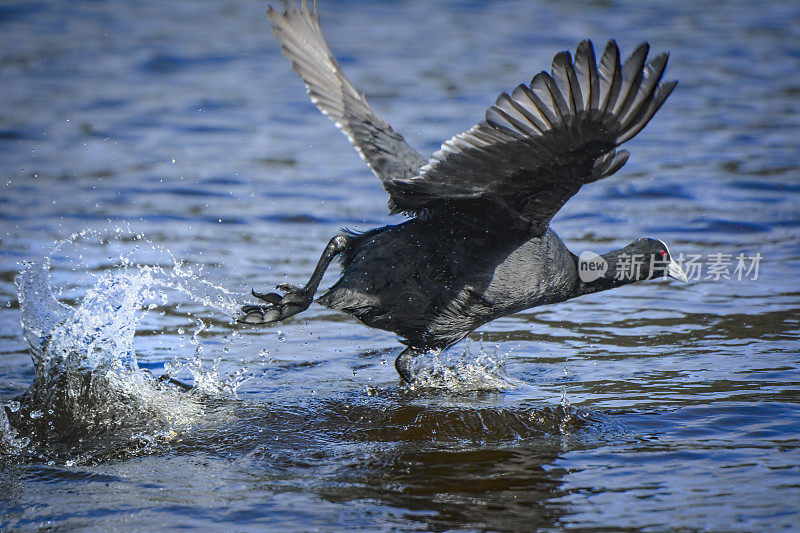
663,253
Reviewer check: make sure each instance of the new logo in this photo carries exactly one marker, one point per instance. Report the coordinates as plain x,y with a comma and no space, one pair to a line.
591,266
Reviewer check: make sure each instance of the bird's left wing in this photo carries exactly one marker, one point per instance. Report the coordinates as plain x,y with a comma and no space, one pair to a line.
385,151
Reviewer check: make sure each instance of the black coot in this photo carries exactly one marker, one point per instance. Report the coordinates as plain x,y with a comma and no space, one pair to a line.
478,244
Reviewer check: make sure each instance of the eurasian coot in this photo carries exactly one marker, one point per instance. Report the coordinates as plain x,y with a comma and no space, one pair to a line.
477,244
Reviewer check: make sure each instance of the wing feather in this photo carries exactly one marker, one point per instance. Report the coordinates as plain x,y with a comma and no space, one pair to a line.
588,77
610,77
631,79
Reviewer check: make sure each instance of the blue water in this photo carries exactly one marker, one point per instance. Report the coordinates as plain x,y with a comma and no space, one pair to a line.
656,406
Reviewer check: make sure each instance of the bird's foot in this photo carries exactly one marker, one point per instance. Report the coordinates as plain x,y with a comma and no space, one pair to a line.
403,364
278,306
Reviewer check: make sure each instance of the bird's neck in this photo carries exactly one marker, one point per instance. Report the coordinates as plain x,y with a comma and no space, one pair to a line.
621,268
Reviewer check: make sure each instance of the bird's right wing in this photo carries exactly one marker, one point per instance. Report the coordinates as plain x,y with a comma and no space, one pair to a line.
300,35
538,145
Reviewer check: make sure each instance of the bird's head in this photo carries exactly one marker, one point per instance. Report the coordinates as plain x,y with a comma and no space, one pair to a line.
645,259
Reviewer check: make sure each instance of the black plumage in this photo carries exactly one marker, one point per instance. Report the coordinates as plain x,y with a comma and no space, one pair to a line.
478,244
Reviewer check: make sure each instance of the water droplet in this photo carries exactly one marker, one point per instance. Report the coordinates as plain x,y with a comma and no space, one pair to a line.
281,336
13,406
36,414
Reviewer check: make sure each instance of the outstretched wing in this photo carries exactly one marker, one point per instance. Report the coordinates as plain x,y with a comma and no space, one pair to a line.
300,35
540,144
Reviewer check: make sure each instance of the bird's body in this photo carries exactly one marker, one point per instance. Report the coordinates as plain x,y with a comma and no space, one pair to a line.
478,245
433,281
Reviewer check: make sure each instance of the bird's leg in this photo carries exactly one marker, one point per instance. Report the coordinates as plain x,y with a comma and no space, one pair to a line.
404,361
295,299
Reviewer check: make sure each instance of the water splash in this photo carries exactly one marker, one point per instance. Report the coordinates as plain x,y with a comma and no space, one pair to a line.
88,382
461,371
209,381
10,441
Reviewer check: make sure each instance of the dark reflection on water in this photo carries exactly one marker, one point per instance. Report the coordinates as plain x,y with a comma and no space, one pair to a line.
682,403
510,488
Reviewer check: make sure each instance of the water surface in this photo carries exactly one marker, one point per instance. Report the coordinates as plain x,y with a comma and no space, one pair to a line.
177,135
